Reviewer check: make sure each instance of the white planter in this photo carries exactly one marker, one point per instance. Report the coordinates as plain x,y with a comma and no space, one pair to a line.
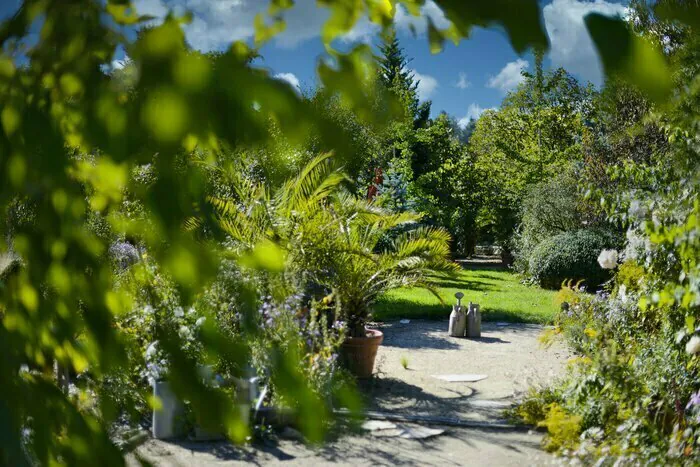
168,421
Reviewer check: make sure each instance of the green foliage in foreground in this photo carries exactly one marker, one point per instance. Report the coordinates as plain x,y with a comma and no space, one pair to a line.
500,293
71,141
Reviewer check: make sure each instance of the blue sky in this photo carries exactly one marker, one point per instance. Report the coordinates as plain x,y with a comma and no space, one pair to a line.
463,80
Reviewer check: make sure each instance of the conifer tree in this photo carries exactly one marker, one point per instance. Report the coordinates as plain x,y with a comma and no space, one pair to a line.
397,77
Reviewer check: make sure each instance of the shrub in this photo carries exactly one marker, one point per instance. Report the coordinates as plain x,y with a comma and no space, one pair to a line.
632,392
569,294
534,407
563,428
550,208
630,275
571,255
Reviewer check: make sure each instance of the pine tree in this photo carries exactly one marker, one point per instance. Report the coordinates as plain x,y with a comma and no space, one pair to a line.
393,64
397,77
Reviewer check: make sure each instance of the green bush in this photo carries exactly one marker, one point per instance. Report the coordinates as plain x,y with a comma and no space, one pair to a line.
551,207
571,256
629,274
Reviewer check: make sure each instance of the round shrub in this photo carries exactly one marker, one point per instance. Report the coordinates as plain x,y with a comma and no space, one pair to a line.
571,256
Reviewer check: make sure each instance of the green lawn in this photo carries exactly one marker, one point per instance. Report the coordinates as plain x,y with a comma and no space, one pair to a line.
501,295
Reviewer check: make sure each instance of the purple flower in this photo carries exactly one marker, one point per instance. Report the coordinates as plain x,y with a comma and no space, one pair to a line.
124,254
694,401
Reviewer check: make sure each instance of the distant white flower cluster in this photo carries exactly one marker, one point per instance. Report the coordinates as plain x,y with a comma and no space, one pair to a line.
188,325
608,259
637,210
693,345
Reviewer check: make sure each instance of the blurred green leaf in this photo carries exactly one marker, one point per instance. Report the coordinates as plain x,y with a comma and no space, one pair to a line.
521,20
265,256
629,56
683,11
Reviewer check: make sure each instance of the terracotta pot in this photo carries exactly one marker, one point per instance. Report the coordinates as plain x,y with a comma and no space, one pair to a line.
358,353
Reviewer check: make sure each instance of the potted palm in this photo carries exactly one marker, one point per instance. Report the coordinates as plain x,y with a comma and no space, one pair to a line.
337,241
364,266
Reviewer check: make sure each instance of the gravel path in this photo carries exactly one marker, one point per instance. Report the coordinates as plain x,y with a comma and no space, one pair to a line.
511,357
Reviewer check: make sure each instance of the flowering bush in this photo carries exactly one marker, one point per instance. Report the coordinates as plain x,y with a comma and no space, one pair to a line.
156,308
124,254
187,325
632,393
307,331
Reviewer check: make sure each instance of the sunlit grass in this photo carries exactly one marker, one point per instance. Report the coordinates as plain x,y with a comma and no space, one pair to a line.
501,295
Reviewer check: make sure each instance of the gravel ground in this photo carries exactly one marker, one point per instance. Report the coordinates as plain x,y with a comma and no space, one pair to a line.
511,357
455,447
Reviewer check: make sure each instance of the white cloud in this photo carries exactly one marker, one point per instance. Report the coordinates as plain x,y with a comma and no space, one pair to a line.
119,64
509,77
463,82
405,21
217,23
474,111
426,85
571,46
290,78
155,8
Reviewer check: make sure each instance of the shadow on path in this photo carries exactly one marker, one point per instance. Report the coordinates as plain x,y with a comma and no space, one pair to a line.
429,335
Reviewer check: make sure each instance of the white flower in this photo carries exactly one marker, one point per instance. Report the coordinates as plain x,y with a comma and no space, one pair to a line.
185,332
191,310
608,259
148,309
693,345
637,210
622,293
151,350
680,335
200,321
179,312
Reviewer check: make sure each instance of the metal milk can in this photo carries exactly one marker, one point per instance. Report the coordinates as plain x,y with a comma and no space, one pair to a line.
473,320
458,318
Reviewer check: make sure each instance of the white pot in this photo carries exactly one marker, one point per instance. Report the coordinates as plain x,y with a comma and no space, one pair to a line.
168,421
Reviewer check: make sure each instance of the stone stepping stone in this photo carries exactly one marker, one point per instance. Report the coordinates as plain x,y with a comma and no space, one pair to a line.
460,378
408,432
489,404
373,425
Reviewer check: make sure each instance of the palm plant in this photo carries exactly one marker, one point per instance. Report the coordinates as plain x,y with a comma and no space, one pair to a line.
332,238
360,271
255,213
